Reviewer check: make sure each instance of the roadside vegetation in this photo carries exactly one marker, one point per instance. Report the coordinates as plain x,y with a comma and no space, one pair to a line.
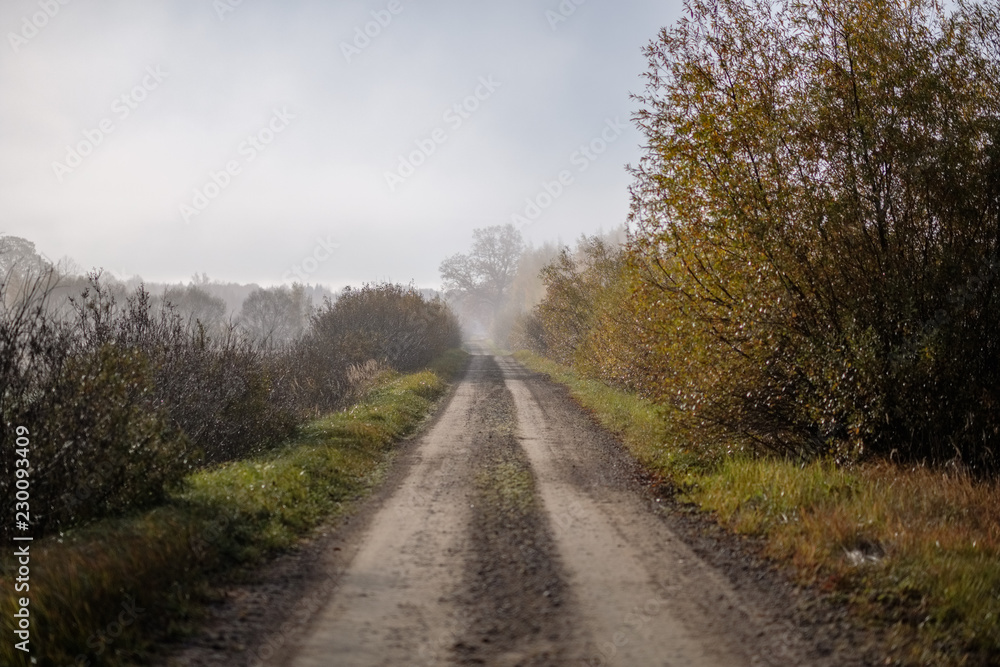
100,594
912,548
801,331
164,449
122,399
812,267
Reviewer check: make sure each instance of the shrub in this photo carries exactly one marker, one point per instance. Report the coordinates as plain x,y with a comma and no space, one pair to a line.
586,319
96,446
122,399
391,324
815,225
227,392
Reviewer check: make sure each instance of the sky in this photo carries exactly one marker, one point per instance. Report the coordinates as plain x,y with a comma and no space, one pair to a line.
325,142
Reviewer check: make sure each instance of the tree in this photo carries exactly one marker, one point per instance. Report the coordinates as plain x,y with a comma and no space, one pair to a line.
20,264
816,223
19,255
277,315
196,306
525,292
481,279
574,285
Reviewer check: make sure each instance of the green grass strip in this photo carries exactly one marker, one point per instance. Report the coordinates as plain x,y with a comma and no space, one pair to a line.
915,550
99,594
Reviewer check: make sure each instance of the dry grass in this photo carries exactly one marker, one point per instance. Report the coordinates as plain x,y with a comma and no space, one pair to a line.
914,547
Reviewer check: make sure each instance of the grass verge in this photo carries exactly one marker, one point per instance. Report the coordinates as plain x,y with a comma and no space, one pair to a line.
914,549
100,594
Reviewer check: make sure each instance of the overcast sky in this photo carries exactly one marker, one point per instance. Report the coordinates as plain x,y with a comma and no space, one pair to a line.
246,138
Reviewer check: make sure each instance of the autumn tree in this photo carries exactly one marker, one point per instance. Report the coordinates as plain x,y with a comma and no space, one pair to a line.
816,224
525,292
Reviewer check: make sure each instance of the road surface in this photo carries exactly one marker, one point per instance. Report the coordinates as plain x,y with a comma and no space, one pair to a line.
517,534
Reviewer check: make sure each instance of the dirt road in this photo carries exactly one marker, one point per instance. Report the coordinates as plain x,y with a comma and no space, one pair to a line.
514,531
517,534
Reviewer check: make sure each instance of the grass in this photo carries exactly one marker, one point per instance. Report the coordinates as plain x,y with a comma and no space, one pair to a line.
506,484
101,594
913,549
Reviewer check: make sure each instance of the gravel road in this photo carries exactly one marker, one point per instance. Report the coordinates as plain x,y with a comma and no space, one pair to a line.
514,531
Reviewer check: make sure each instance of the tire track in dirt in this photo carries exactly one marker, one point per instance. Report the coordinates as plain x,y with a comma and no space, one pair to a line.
644,596
607,540
458,566
394,603
516,534
519,608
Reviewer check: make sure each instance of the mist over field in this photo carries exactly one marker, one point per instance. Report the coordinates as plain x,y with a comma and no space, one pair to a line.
307,141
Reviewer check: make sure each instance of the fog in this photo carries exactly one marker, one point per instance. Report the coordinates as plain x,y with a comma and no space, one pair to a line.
323,142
